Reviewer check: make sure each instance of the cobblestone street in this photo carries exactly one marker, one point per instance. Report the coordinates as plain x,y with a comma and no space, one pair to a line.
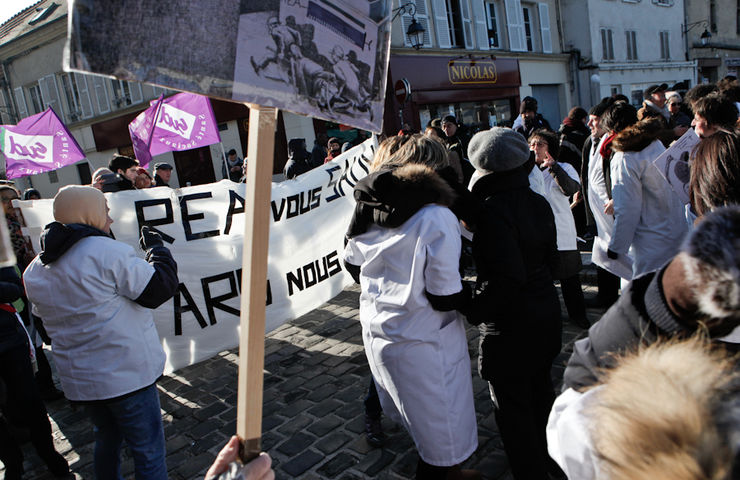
316,377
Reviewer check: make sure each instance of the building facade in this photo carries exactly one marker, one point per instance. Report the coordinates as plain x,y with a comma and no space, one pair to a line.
718,53
624,46
478,59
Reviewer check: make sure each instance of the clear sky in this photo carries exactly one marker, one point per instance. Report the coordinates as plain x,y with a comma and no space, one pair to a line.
8,8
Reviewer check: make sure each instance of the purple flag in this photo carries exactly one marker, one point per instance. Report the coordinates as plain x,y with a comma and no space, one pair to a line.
141,130
39,143
185,122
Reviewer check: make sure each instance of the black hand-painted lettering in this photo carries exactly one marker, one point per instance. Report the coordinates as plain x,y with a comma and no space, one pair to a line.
187,218
168,218
213,303
190,306
233,209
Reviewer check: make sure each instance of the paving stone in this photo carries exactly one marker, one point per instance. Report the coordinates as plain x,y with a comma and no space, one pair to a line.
337,465
325,425
375,461
212,410
296,424
296,444
325,407
322,392
331,443
301,463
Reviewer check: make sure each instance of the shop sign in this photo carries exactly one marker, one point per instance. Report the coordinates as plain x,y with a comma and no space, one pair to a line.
467,72
733,62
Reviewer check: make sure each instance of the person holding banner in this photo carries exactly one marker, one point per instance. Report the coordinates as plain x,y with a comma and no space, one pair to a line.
96,297
403,247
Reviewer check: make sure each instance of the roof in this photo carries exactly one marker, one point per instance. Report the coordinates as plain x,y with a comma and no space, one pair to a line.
31,18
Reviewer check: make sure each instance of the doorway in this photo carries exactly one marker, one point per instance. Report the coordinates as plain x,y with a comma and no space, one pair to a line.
548,103
194,167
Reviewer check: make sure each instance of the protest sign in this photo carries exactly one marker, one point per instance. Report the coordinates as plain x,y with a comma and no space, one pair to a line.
324,59
203,227
39,143
673,164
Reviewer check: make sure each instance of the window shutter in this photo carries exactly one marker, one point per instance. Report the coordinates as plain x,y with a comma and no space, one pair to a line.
136,95
515,24
82,88
20,100
50,93
467,23
544,11
101,94
481,26
441,25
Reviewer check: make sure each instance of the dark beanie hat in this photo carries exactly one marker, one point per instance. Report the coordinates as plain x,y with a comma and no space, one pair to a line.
599,109
498,150
529,104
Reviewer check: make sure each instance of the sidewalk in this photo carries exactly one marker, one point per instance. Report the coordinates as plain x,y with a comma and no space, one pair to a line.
316,377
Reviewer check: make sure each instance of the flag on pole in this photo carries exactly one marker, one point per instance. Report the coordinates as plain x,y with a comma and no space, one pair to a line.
141,130
185,122
39,143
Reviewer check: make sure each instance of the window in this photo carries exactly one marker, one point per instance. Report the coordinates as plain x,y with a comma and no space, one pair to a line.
544,12
492,24
713,15
737,18
607,44
53,178
454,24
75,90
631,44
616,90
527,28
126,93
665,49
37,104
515,25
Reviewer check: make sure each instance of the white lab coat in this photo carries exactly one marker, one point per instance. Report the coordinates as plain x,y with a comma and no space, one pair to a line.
418,356
560,205
568,436
597,194
648,214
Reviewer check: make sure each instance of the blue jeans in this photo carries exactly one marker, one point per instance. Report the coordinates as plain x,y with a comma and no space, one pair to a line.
138,421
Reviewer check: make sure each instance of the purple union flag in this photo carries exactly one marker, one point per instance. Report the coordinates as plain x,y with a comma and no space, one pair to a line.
38,144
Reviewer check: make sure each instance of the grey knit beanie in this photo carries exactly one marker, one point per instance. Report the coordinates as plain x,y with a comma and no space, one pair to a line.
498,150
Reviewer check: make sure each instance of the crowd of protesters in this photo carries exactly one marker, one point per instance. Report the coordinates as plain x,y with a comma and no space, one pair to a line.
529,197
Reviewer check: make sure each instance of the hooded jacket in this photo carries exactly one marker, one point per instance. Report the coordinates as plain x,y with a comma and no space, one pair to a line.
648,215
298,159
95,295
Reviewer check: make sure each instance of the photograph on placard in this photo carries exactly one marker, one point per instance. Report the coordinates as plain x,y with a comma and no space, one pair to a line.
313,57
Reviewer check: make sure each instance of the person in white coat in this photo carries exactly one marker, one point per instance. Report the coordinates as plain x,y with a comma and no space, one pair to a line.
403,247
648,215
560,183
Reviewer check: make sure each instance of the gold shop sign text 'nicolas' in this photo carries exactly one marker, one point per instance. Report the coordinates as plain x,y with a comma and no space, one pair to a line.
462,72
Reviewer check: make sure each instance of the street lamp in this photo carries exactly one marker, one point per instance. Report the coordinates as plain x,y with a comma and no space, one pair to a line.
415,32
705,37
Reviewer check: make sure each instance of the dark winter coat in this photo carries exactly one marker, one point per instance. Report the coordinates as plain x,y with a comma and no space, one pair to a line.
515,251
573,135
11,331
298,159
640,317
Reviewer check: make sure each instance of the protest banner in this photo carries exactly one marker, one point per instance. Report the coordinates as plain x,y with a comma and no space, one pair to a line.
203,228
39,143
673,164
323,59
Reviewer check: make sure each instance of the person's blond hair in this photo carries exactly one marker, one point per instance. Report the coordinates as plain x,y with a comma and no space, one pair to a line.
658,414
402,150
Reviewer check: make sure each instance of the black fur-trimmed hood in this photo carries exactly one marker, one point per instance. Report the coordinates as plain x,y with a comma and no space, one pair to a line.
390,197
637,137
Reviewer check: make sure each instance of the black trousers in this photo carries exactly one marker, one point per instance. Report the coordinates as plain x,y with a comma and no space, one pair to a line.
573,297
608,285
523,402
24,407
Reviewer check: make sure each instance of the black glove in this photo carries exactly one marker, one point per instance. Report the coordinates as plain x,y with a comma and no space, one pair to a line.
612,254
149,238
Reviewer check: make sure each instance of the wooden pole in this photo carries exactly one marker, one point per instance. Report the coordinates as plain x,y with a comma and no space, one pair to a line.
254,277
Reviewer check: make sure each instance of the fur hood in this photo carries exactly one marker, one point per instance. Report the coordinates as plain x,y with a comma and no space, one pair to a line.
637,137
390,197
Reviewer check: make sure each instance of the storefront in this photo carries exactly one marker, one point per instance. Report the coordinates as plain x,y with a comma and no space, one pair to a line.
481,91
